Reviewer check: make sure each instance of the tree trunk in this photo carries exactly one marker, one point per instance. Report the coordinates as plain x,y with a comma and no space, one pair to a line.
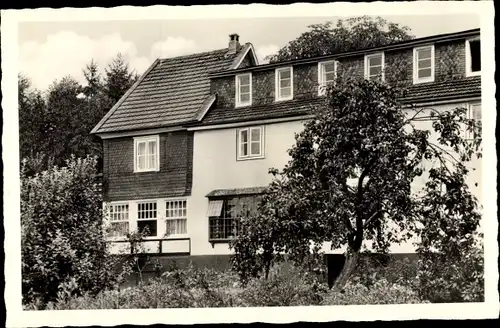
351,259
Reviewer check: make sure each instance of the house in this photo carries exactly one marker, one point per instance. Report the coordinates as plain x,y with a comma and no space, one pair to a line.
187,149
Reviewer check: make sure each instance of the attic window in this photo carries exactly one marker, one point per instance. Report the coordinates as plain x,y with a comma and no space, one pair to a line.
244,89
284,83
423,64
326,75
473,57
374,66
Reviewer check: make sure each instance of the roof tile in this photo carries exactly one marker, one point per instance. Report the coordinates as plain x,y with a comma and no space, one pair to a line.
172,92
428,92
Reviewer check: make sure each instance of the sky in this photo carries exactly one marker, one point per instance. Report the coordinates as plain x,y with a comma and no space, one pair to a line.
52,50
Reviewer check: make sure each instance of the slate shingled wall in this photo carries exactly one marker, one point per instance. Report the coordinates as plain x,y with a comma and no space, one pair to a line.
449,65
173,180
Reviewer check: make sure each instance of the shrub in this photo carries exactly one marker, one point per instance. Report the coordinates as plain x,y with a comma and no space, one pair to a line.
286,285
447,279
380,292
64,252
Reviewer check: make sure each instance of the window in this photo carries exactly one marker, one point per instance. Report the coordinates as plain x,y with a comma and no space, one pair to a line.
176,217
224,216
244,89
473,57
423,64
326,75
146,151
147,218
250,143
474,113
374,66
118,214
284,83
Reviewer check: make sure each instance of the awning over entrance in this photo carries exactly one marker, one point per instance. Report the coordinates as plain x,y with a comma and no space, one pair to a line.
236,192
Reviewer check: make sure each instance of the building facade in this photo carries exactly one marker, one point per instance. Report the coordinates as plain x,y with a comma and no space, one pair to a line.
188,148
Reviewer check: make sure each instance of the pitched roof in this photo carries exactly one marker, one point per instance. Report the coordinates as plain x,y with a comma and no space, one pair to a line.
171,92
282,109
417,93
444,90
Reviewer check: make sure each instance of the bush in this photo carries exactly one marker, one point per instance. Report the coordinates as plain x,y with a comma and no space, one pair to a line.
287,285
64,252
380,292
448,279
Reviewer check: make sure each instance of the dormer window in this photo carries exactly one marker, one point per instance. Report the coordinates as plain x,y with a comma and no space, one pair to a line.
244,89
473,57
326,75
374,66
423,64
284,83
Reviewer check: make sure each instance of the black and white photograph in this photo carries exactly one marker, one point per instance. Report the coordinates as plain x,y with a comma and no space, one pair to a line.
249,163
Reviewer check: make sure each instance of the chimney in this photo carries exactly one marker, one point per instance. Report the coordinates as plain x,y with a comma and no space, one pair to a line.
234,43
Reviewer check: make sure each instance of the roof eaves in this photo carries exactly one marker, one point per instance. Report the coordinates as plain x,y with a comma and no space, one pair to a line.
243,53
206,106
122,99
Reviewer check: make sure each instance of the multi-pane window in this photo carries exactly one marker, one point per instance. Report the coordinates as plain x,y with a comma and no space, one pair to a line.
474,113
147,218
473,57
374,66
146,154
326,75
423,64
250,143
244,89
118,216
224,216
176,217
284,83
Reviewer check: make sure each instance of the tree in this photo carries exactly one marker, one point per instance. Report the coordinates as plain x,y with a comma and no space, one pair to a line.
347,35
62,235
118,78
353,178
33,126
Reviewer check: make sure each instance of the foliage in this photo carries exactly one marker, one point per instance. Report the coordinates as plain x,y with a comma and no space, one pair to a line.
347,35
380,292
194,287
118,78
68,111
64,252
445,277
362,170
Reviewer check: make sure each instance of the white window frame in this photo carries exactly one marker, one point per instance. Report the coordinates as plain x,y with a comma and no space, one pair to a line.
147,139
382,64
158,230
468,60
470,115
321,69
249,143
278,83
238,85
175,218
111,221
416,80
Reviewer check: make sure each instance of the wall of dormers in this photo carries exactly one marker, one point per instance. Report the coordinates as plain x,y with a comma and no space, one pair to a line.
449,59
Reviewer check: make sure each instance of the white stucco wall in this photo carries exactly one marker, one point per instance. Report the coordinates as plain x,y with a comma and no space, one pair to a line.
215,167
